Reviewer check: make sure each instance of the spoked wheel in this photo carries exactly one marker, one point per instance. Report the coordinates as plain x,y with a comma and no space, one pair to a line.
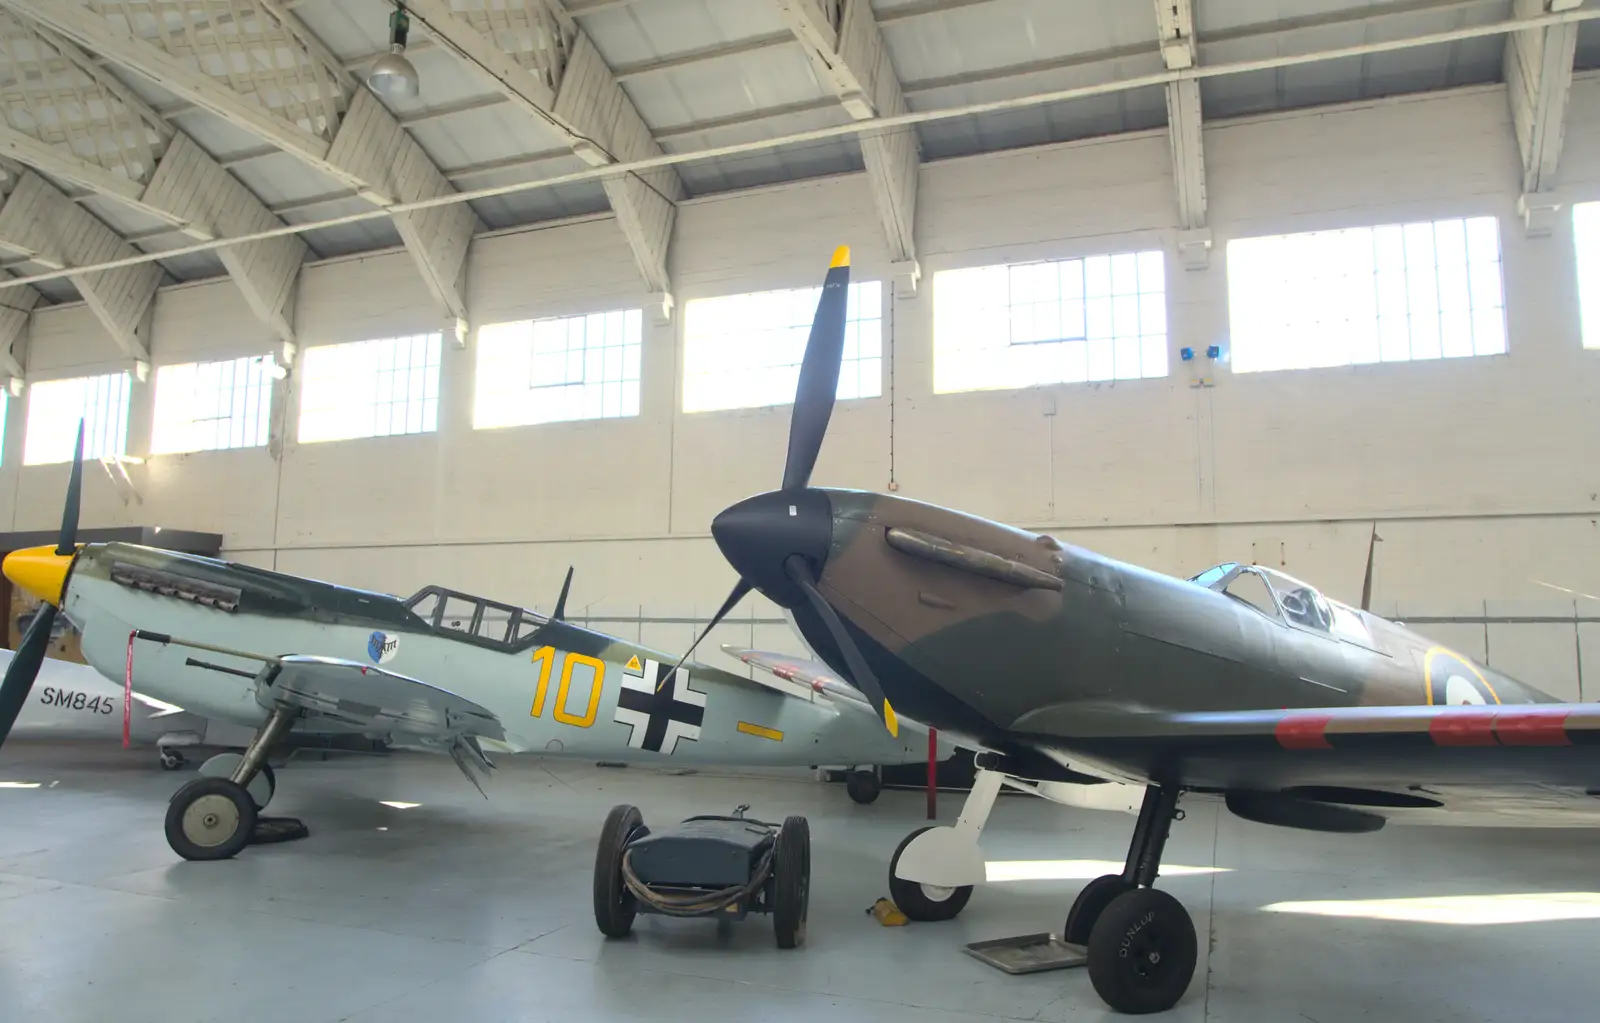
1090,903
791,881
924,902
615,906
863,786
1142,952
262,787
210,819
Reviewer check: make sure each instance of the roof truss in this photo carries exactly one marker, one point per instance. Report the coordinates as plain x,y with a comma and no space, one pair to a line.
1538,72
1175,20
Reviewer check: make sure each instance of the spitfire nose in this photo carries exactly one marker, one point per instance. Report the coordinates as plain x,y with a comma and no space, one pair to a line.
40,571
758,534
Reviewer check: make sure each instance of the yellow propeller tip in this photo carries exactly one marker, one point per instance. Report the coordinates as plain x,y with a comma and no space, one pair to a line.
891,720
841,257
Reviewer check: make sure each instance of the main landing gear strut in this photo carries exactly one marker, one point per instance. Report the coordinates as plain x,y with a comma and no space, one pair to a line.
1140,943
216,815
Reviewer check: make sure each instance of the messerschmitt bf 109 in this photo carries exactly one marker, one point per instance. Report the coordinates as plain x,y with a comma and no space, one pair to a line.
1068,669
441,671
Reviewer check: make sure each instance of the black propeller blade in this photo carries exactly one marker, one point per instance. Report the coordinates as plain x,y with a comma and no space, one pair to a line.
861,675
1366,582
819,374
25,663
740,588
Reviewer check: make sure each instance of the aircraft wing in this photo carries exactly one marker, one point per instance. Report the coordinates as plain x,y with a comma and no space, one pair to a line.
371,701
1351,755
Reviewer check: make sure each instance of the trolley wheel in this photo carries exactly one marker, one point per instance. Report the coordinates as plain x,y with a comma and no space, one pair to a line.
924,902
615,906
791,881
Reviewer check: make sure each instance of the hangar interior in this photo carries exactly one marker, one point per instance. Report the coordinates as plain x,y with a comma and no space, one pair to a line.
1182,283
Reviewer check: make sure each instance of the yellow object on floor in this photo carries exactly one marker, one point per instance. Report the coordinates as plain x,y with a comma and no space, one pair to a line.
887,913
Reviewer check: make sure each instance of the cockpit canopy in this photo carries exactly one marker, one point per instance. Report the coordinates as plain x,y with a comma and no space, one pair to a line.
449,611
1284,598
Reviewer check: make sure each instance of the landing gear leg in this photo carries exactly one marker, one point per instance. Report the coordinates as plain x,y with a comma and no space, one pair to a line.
1141,943
932,874
213,818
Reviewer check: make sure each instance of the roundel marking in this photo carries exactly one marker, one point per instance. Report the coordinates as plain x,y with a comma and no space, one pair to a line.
1447,674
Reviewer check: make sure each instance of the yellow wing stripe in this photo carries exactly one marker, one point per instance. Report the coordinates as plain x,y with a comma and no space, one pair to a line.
760,732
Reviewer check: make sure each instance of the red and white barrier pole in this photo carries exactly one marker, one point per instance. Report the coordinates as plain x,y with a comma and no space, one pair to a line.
127,697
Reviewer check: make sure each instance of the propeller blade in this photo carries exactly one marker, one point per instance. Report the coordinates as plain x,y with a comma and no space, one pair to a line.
862,675
1366,582
819,374
25,664
69,514
739,590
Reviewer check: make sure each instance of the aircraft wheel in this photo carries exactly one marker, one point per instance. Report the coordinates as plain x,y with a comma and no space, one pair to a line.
925,902
1142,952
262,787
791,881
210,819
1090,903
172,760
615,906
863,786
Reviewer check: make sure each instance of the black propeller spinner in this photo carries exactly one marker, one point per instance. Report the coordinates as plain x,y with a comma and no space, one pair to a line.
778,541
29,658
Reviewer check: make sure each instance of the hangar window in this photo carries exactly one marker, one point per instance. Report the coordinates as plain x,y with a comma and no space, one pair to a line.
370,388
1063,322
744,351
1586,234
56,406
1393,293
545,371
208,406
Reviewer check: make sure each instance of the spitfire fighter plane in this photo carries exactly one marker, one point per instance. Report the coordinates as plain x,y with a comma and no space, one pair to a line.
280,654
1092,679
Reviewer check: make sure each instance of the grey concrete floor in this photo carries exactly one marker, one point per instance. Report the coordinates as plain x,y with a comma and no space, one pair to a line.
462,909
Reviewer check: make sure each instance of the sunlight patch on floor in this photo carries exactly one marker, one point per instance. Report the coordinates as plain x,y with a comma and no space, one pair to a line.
19,784
1535,907
1076,870
399,805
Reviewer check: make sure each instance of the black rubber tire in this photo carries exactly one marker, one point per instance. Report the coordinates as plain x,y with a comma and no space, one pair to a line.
272,785
1090,903
223,845
863,786
913,898
1135,927
615,906
791,881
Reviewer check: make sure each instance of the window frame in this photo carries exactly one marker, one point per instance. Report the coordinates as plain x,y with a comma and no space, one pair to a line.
429,408
882,316
94,432
631,349
262,389
1102,311
1586,270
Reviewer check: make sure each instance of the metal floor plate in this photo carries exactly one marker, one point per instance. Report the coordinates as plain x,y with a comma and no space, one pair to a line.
1028,953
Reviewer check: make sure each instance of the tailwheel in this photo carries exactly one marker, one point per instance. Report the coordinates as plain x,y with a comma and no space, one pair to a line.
1142,952
863,786
924,902
210,819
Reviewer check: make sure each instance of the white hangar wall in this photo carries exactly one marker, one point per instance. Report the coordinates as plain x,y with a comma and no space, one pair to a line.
1480,472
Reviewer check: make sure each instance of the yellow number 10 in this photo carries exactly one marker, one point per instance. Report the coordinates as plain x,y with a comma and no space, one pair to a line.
545,658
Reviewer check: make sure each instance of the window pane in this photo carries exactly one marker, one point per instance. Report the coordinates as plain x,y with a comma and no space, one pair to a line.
56,407
1586,233
1032,329
1391,293
744,351
546,371
370,388
210,405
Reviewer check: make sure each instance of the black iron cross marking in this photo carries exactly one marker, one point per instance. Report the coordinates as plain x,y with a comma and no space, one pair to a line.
660,710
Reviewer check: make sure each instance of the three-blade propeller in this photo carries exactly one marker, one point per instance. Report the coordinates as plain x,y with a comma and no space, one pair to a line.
29,658
808,425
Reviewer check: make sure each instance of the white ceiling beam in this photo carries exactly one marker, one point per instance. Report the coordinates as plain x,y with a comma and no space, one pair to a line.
589,112
37,219
1538,73
846,50
16,313
1175,22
